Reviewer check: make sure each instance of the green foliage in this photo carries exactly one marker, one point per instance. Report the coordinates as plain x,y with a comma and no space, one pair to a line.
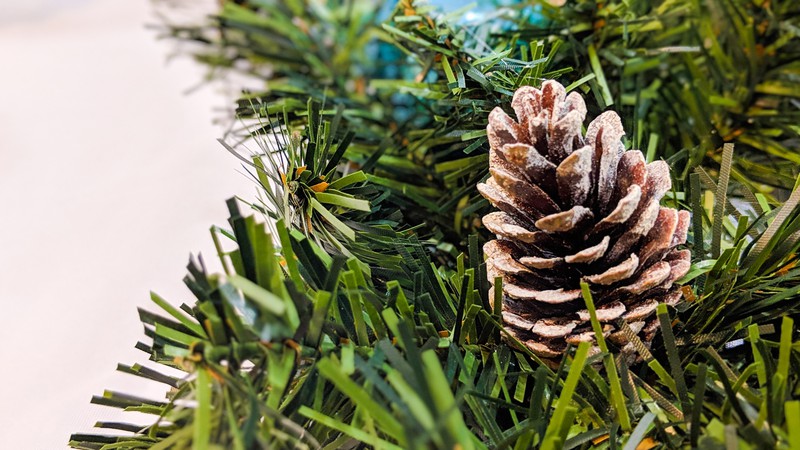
416,84
747,255
358,313
336,361
688,76
333,355
307,346
415,88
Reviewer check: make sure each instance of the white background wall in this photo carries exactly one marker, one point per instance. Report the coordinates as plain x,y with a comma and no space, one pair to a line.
109,177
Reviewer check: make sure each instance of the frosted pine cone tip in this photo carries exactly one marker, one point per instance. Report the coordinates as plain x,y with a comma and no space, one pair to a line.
577,207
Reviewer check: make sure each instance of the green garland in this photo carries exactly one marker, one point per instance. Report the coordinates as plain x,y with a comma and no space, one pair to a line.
358,314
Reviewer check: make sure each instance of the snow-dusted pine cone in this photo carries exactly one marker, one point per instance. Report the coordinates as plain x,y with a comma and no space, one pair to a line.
572,208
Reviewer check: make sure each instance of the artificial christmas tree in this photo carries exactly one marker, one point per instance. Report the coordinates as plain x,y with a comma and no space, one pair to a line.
572,208
366,319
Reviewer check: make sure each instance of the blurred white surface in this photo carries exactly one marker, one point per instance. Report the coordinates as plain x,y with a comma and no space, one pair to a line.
109,177
15,11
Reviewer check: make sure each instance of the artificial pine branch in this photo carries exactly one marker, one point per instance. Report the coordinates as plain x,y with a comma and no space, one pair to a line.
689,76
415,87
347,333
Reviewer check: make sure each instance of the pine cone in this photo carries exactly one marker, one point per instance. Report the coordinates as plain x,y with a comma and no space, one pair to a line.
572,208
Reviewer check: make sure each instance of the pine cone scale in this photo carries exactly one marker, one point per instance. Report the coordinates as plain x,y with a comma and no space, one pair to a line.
530,162
563,135
501,223
650,278
641,310
605,139
633,165
621,271
638,229
538,262
531,195
589,254
565,220
659,239
573,176
626,206
504,130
